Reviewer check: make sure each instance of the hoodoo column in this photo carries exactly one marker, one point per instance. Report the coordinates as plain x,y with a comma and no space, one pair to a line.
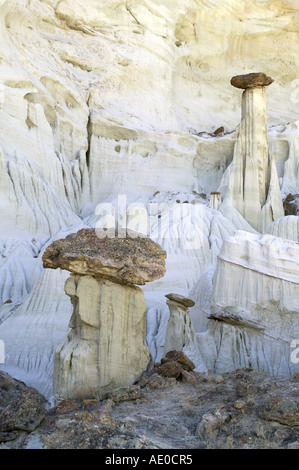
105,347
253,182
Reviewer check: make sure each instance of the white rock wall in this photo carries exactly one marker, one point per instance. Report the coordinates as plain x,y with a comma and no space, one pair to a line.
255,304
105,98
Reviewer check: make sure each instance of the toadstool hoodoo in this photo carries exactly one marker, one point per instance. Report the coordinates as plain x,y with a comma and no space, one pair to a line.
105,347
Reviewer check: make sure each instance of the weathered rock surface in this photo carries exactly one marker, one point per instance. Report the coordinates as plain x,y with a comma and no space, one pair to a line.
254,305
124,394
286,227
98,101
253,186
180,299
106,345
215,199
176,364
170,369
21,408
289,205
129,259
180,334
179,357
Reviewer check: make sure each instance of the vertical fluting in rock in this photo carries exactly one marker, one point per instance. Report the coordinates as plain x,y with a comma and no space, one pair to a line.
105,347
180,334
253,186
179,331
215,200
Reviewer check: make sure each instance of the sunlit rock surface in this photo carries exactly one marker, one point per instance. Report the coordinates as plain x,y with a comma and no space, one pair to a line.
253,187
255,304
286,227
125,258
100,100
180,333
105,347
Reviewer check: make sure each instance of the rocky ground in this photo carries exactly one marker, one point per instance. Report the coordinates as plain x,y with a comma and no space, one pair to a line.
172,407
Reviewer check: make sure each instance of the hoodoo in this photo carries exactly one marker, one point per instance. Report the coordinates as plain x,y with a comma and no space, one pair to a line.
105,347
253,184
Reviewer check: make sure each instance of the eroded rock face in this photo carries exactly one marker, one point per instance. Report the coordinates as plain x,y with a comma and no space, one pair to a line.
84,82
180,299
242,409
253,187
132,260
21,408
180,335
215,199
105,347
286,227
255,305
289,205
251,80
179,357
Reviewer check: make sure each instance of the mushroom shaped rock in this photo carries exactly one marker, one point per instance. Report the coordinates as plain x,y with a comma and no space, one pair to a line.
180,335
251,80
105,347
179,332
253,186
133,260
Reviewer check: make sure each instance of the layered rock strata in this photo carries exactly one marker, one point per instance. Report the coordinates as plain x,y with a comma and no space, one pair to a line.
97,102
179,328
215,199
105,347
253,184
255,305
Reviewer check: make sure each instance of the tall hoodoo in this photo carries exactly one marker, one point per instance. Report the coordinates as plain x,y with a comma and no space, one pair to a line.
253,185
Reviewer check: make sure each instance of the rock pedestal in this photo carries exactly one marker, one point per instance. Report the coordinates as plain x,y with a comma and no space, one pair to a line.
105,347
179,333
254,307
254,187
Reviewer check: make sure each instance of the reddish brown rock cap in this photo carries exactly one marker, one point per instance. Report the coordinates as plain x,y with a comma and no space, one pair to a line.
131,260
251,80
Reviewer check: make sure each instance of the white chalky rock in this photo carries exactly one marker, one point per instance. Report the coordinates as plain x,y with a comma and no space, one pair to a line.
286,227
253,183
180,333
105,347
99,101
255,305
